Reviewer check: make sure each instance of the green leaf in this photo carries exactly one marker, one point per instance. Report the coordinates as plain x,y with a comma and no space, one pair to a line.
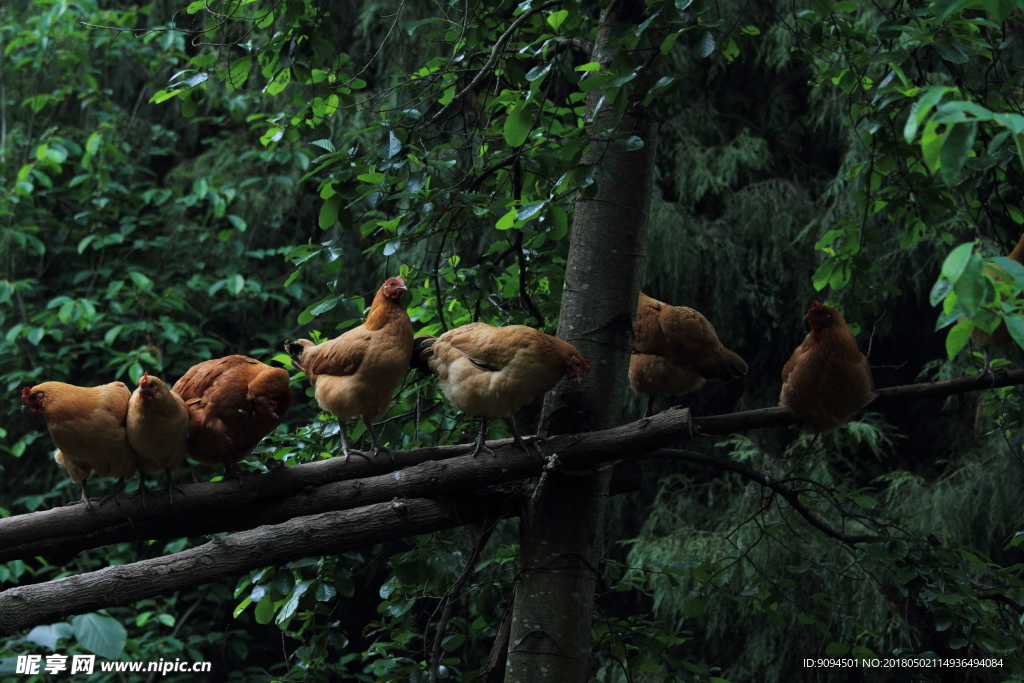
823,274
1015,326
589,66
538,72
958,336
100,635
527,212
453,641
706,45
970,286
866,502
955,148
265,610
47,636
289,607
837,649
329,212
556,19
507,221
239,72
955,263
316,309
517,125
939,291
235,284
280,82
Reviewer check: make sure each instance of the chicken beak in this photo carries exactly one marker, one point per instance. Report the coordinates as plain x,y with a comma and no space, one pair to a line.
274,415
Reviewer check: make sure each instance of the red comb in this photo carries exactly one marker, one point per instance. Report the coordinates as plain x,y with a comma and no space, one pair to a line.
25,394
143,379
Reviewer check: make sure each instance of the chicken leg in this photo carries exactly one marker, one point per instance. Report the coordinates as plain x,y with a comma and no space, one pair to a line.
480,442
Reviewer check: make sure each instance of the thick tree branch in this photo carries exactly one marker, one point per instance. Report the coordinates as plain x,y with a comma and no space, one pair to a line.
223,557
329,485
328,533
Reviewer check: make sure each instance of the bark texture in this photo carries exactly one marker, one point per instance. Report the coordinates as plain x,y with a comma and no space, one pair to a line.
563,523
324,534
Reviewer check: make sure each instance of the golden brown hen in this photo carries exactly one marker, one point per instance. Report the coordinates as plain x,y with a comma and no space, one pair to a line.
357,373
157,429
88,426
675,349
491,372
827,379
233,402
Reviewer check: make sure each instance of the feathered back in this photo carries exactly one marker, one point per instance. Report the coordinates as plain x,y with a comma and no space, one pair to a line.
685,337
273,383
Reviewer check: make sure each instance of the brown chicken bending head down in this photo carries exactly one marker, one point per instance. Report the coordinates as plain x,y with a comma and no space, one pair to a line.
491,372
32,401
827,379
233,402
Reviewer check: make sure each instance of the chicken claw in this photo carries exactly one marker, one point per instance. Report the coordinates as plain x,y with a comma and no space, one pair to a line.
481,440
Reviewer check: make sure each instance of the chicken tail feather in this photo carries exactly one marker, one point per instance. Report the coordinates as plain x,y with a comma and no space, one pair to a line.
422,352
725,365
295,349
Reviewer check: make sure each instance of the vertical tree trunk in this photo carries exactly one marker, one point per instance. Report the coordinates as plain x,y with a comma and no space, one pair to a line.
562,525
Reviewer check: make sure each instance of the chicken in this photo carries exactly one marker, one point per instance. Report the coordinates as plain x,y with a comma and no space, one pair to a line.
157,429
88,426
358,372
675,349
827,379
491,372
1000,336
233,402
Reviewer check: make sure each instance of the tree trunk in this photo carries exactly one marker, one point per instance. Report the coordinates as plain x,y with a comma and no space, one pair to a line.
564,520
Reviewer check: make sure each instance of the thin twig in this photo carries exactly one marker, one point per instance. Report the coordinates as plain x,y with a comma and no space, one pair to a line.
451,597
499,45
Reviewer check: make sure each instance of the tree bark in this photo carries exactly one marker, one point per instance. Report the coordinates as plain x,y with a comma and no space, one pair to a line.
222,557
562,525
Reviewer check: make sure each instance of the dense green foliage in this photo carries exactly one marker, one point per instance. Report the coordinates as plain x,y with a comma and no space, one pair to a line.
217,178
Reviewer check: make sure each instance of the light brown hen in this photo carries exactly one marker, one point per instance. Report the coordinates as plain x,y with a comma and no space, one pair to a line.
357,373
491,372
88,426
675,350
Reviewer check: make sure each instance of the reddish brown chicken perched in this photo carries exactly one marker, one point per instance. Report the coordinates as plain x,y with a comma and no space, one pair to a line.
1000,336
358,372
88,426
157,429
233,402
827,379
491,372
675,349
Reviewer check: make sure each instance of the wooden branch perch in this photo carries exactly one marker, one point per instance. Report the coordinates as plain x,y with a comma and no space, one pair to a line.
328,533
332,485
223,557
